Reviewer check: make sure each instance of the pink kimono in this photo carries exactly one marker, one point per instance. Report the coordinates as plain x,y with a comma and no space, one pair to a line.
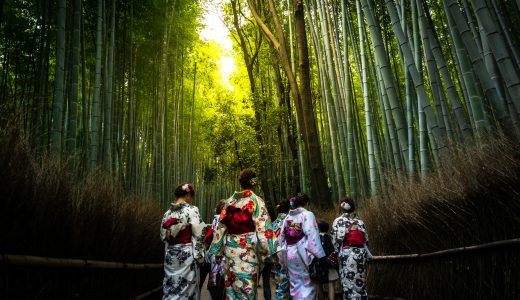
300,242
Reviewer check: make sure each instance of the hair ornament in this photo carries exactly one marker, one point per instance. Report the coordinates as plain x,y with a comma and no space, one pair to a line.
292,202
188,187
345,206
254,181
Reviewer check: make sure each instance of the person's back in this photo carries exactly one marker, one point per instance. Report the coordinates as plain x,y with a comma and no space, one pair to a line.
350,237
181,231
281,276
300,243
332,273
216,266
245,237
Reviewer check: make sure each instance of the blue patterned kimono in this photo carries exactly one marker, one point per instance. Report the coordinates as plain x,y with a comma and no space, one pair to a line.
281,275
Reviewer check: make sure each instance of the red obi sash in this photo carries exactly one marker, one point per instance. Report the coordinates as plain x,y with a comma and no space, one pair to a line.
293,232
183,237
354,238
237,221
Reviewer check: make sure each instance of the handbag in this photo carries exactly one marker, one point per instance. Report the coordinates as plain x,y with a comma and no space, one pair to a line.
330,252
332,259
318,272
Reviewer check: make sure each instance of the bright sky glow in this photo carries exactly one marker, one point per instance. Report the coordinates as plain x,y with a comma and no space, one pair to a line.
215,30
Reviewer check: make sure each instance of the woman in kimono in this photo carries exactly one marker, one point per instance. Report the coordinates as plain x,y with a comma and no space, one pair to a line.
216,275
350,237
244,237
181,232
300,241
281,277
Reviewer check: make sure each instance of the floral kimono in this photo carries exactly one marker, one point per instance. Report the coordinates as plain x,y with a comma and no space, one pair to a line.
300,243
245,237
181,232
281,277
216,267
216,275
352,259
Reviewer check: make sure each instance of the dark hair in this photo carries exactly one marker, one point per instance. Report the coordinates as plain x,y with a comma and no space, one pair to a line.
323,226
220,206
184,189
283,206
301,199
246,178
350,202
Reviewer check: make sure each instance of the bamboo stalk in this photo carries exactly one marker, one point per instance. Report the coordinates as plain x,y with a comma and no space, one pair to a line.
38,261
467,249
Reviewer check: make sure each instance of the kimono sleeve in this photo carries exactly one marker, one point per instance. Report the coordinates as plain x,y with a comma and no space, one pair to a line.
165,233
264,231
310,228
197,236
362,227
280,239
277,224
217,244
281,244
336,235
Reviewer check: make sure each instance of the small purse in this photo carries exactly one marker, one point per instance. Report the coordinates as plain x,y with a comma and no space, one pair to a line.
332,259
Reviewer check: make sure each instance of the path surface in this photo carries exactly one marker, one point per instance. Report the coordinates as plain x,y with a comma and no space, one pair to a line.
260,293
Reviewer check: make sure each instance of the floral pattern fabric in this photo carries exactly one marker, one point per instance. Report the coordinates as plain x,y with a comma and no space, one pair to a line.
299,256
181,261
281,275
352,260
246,251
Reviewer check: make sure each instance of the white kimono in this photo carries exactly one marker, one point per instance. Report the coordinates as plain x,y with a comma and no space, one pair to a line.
352,260
181,260
297,257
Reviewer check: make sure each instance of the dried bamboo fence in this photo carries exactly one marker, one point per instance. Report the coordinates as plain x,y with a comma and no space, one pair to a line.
450,252
38,261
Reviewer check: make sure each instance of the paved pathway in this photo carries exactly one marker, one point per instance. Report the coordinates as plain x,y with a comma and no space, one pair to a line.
260,295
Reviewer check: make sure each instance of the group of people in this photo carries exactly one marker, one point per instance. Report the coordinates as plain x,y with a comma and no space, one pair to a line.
241,244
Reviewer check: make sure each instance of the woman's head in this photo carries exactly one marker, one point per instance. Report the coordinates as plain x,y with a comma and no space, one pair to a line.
347,204
299,201
283,207
247,178
185,190
220,206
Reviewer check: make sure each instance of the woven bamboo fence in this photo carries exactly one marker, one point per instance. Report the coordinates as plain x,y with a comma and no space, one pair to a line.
450,252
38,261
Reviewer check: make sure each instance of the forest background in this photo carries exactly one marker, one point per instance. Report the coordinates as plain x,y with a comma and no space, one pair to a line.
106,106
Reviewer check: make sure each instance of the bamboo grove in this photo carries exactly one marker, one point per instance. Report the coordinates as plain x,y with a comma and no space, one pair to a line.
107,85
330,97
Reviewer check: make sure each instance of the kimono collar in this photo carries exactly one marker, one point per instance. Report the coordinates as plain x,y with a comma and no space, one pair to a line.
177,206
296,211
281,216
243,194
346,215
